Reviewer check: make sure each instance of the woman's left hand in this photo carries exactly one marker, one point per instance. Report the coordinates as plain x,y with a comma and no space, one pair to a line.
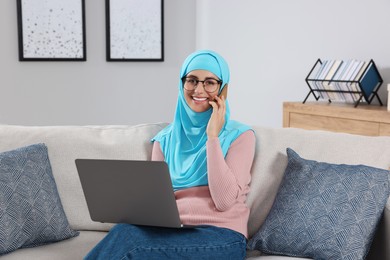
217,119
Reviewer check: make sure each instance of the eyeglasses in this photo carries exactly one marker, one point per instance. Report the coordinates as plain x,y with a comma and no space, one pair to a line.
209,85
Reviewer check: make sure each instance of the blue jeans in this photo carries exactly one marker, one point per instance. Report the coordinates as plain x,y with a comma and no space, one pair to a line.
126,241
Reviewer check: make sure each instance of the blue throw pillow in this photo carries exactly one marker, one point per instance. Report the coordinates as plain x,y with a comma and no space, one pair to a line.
324,211
31,212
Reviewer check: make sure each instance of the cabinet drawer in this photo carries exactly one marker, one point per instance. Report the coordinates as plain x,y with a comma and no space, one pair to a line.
317,122
384,129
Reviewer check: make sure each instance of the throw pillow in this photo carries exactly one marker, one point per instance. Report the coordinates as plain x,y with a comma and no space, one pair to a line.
31,212
324,211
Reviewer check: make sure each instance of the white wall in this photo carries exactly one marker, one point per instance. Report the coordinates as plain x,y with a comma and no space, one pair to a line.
95,91
272,44
269,44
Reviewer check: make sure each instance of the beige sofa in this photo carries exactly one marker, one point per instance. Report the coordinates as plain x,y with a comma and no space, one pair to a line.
66,143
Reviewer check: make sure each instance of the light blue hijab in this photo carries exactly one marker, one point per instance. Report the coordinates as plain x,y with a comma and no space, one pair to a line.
183,142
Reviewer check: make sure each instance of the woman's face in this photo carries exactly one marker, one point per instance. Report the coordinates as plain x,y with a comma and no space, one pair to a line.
198,99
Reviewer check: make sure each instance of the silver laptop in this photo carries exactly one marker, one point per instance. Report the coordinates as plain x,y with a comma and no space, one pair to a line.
126,191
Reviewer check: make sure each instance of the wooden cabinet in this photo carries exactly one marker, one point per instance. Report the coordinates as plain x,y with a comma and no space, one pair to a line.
337,117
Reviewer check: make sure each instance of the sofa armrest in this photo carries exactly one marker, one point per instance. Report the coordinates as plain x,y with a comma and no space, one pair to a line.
380,248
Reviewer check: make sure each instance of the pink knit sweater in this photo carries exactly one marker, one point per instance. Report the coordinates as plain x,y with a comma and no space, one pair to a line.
222,202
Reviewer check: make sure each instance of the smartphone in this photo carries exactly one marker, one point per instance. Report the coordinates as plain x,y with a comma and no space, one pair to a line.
224,92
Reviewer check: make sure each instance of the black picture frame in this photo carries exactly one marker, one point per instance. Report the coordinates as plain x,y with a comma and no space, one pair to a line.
51,30
135,30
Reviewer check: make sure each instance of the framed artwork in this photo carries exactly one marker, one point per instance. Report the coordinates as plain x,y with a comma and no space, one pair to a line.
51,30
134,30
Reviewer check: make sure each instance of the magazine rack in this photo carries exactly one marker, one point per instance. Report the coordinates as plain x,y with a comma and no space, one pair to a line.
340,83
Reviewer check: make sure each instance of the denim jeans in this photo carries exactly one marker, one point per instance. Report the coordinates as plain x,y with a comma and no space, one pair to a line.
126,241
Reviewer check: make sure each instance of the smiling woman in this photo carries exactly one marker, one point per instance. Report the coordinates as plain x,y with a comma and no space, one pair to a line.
209,158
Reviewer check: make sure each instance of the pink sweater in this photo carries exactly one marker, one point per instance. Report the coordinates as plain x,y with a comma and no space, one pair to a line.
222,202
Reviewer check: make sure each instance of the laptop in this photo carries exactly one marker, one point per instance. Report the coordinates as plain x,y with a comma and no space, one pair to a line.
129,191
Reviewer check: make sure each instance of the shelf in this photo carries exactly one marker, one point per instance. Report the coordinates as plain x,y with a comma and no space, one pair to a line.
365,119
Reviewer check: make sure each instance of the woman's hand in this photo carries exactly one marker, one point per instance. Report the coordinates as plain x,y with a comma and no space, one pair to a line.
217,119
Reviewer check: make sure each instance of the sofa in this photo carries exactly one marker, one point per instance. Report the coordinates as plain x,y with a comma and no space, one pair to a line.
66,143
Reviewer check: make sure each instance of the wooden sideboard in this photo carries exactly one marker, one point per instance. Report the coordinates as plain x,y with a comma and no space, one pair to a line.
364,119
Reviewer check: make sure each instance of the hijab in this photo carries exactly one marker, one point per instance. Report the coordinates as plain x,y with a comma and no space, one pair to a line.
183,142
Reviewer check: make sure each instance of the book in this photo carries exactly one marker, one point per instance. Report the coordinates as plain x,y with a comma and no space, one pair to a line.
340,72
355,85
370,81
347,77
352,77
343,86
329,76
327,65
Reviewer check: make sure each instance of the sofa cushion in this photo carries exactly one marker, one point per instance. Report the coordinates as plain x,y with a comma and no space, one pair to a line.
67,143
271,160
31,212
323,210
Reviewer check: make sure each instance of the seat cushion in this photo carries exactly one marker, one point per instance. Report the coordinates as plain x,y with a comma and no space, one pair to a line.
74,248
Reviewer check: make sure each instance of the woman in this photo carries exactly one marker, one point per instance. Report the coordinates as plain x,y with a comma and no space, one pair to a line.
209,157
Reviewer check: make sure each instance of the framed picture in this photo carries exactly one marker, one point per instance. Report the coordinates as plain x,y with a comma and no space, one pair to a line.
134,30
51,30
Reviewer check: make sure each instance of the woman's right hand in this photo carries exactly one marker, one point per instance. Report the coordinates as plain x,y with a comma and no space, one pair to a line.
217,119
